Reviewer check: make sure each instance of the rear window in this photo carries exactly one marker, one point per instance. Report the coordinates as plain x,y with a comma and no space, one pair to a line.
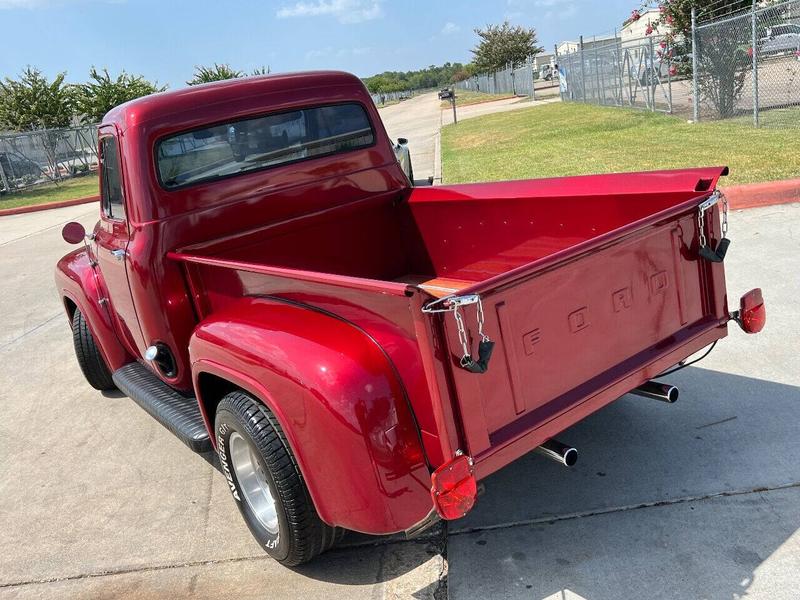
248,145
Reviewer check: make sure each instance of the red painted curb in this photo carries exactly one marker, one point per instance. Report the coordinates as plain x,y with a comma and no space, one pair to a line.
47,206
751,195
771,193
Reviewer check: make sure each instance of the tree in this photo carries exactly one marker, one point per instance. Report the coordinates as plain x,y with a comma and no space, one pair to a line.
222,72
724,54
33,102
398,81
218,72
102,93
500,45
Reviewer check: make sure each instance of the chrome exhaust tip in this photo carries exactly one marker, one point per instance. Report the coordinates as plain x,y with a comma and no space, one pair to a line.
657,391
561,453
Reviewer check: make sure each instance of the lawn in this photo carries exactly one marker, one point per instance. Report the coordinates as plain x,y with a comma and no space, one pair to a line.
70,189
573,139
466,97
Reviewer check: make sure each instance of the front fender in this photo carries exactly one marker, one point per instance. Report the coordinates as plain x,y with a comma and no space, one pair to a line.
79,283
338,400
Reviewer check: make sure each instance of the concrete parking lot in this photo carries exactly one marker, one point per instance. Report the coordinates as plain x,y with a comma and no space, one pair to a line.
700,499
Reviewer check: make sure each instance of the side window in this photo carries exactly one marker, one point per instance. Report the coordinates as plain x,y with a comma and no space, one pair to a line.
111,185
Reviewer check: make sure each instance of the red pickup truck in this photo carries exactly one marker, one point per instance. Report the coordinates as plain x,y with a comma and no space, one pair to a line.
265,280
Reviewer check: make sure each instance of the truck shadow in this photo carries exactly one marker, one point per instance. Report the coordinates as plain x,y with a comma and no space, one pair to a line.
689,500
542,530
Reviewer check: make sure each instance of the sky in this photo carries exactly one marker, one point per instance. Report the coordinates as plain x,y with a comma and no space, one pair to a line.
165,39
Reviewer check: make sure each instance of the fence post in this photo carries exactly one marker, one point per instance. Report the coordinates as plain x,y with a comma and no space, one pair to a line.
3,179
600,99
650,74
531,80
669,74
754,74
583,74
558,70
695,86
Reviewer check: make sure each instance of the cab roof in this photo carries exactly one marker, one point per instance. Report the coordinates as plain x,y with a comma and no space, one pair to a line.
191,99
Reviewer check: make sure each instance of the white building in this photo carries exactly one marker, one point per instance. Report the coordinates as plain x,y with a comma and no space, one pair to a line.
635,31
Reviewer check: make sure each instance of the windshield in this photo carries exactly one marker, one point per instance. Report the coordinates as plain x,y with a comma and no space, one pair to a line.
242,146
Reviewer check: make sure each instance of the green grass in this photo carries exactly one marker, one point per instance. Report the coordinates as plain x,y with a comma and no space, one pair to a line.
573,139
70,189
467,97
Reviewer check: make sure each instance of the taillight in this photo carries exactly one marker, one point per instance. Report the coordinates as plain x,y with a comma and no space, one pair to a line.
752,314
453,488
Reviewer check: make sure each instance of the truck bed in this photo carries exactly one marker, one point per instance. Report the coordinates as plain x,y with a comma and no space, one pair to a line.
589,285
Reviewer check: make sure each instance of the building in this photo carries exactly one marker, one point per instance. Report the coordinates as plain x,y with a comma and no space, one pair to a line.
596,41
634,31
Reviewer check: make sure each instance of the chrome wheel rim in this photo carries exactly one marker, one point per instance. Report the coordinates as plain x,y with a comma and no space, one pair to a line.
253,483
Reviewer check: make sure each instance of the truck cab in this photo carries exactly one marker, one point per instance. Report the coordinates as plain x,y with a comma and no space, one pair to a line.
266,283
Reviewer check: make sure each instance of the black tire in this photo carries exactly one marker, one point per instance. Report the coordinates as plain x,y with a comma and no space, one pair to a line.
301,534
89,358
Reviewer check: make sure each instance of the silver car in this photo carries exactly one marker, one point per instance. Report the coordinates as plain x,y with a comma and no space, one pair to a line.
781,38
404,158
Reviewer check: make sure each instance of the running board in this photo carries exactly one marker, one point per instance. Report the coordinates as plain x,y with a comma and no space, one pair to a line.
177,413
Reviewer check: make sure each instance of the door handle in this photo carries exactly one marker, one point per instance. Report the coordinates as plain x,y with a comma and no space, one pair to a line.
119,254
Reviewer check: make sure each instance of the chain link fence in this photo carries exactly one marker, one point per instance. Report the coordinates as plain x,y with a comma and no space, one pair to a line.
391,97
746,66
516,80
635,73
48,155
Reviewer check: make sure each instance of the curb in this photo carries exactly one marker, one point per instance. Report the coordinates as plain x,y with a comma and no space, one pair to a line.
47,206
755,195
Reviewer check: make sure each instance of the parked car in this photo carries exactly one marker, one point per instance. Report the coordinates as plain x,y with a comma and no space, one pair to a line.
403,155
780,39
547,72
361,353
16,167
446,94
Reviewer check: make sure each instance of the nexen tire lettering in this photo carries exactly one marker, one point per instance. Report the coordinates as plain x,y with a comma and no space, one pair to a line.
223,459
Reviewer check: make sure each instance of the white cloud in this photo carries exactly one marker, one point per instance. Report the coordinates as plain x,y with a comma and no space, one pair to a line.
450,28
345,11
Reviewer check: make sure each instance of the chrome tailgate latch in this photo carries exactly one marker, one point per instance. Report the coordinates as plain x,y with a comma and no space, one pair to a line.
718,254
485,346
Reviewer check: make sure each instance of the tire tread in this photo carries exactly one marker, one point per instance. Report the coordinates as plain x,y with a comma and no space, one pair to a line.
89,358
309,535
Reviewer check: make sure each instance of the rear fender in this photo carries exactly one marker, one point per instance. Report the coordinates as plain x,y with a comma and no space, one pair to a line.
338,401
80,285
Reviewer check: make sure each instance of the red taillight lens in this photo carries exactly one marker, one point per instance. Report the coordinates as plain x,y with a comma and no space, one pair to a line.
453,488
752,313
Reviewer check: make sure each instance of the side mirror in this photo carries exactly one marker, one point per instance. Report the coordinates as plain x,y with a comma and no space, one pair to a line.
73,233
402,141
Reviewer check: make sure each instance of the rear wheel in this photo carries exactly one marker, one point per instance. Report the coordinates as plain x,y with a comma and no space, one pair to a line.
266,483
89,358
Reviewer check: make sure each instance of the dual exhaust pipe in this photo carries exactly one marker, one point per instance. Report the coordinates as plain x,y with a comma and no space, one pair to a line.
568,456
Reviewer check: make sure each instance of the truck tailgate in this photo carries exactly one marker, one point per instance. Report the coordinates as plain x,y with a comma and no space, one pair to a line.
577,329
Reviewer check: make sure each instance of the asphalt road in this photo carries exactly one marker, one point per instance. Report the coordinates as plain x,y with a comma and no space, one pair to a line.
695,500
